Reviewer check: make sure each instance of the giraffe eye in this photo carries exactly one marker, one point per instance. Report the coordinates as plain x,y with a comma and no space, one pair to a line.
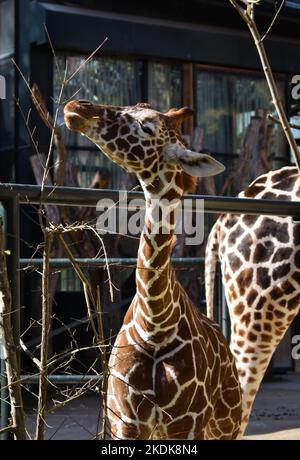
147,130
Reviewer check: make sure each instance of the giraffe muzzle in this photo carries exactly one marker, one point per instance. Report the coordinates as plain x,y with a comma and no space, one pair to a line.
78,112
74,121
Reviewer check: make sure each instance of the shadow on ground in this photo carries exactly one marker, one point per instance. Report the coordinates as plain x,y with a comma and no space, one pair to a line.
276,411
275,415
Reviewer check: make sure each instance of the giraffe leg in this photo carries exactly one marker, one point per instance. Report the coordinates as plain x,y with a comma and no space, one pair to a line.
250,386
226,418
129,431
225,429
252,361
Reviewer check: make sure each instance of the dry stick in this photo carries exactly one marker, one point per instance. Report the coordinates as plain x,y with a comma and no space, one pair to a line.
10,348
99,335
43,381
70,353
31,356
85,282
89,385
52,49
276,120
7,429
40,105
270,80
46,170
273,21
86,60
105,368
41,108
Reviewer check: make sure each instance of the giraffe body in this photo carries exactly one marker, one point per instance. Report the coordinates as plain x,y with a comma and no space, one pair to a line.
178,390
172,375
260,264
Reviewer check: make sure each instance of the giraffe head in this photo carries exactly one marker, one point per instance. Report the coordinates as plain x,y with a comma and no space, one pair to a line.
143,141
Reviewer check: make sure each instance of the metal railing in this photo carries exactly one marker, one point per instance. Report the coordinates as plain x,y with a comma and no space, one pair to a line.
14,195
72,196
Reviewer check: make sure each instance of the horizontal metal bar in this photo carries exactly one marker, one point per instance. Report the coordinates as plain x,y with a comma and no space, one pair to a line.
72,379
98,263
75,196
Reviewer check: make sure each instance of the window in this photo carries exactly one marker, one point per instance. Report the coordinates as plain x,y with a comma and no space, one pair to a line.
113,81
7,27
225,104
296,133
7,102
3,219
117,82
104,81
164,85
7,106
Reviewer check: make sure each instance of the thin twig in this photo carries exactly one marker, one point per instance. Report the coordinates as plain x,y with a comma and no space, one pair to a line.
31,356
276,120
86,61
272,23
87,386
43,381
58,136
11,429
10,350
270,79
52,49
105,367
46,169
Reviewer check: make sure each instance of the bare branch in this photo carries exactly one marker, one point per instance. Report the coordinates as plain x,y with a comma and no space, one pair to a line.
270,79
273,21
43,381
10,350
86,61
31,356
11,429
276,120
105,367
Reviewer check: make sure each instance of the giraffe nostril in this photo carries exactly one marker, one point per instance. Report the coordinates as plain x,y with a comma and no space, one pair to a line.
84,102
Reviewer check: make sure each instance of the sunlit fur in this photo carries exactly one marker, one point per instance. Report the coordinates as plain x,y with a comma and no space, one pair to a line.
172,375
260,262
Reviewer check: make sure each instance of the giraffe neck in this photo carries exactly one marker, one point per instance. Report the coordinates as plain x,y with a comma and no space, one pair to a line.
157,309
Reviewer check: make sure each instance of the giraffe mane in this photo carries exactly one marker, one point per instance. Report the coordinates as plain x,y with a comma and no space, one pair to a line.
189,183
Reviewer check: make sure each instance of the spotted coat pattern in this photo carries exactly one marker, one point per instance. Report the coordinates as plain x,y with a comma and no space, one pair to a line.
260,264
172,375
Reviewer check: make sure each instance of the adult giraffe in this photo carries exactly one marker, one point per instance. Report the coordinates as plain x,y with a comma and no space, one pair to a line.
260,264
172,375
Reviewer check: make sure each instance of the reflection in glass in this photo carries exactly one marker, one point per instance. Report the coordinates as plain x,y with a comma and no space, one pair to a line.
225,105
164,85
103,81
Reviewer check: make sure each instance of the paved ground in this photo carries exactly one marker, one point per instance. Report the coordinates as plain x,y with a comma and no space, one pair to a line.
276,414
276,411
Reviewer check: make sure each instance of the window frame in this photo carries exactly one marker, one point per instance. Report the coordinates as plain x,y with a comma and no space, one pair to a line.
244,72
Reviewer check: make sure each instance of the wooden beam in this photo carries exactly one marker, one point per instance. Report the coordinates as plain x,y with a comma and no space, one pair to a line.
188,96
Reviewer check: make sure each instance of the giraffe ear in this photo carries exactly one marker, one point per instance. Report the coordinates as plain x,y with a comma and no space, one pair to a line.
199,164
178,116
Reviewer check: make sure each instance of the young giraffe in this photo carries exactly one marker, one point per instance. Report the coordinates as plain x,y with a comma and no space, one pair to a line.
172,375
260,264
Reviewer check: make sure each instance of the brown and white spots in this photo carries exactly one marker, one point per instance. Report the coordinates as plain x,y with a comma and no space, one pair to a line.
172,375
262,255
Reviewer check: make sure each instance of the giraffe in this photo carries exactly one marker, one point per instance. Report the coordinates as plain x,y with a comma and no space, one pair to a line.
172,375
260,265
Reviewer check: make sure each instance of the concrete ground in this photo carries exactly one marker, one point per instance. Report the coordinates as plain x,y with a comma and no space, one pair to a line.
276,414
276,410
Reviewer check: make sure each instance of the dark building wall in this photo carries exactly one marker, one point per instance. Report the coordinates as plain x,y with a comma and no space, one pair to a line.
206,32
